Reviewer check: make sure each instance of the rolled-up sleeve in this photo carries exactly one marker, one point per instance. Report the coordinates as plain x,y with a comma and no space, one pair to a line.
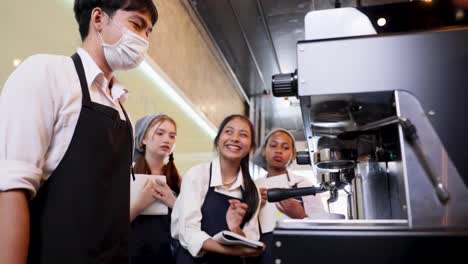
27,114
186,215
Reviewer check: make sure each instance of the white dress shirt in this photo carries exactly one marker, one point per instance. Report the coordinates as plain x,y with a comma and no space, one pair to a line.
39,109
270,214
186,214
312,203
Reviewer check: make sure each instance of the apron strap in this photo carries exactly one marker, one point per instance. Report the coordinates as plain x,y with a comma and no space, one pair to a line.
211,169
130,132
82,76
295,187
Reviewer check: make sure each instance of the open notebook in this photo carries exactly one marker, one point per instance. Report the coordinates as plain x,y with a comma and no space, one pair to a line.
155,208
229,238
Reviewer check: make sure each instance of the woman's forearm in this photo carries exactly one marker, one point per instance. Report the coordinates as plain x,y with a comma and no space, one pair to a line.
212,246
135,210
238,231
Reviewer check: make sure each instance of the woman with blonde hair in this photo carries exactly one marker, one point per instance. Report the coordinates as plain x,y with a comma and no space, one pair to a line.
150,240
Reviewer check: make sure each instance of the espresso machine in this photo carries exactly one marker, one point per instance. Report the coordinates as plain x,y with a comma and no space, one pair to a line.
385,121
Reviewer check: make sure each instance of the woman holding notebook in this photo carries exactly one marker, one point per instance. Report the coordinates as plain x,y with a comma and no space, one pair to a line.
219,196
275,155
150,239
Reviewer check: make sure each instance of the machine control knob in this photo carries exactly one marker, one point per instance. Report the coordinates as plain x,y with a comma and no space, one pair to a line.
303,158
284,84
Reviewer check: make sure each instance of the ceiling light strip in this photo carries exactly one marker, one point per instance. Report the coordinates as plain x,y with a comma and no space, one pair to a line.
157,75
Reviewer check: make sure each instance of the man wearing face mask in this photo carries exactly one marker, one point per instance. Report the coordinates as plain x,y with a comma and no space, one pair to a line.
66,143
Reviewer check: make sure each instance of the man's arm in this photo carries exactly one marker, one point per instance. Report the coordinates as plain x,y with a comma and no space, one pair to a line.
14,227
29,105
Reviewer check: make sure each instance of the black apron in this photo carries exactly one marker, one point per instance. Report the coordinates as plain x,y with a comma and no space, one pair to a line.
213,221
267,238
151,241
81,213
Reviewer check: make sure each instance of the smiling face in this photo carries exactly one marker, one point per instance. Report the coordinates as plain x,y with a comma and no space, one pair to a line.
278,151
160,138
235,140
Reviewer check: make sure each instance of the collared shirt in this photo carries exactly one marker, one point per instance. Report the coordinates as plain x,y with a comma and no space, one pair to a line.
186,214
312,203
270,214
39,109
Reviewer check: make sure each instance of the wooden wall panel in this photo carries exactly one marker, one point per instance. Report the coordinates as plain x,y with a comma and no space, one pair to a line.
180,46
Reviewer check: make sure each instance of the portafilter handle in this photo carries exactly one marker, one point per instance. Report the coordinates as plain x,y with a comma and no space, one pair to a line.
279,194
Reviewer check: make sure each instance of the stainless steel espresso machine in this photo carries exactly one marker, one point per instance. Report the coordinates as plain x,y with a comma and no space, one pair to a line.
385,119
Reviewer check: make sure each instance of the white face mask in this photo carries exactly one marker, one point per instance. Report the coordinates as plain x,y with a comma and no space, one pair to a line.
127,53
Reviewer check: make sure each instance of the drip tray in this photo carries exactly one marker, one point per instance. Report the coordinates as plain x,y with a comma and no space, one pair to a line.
326,224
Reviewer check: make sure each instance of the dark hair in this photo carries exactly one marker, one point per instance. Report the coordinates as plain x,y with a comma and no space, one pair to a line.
250,194
169,170
84,8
